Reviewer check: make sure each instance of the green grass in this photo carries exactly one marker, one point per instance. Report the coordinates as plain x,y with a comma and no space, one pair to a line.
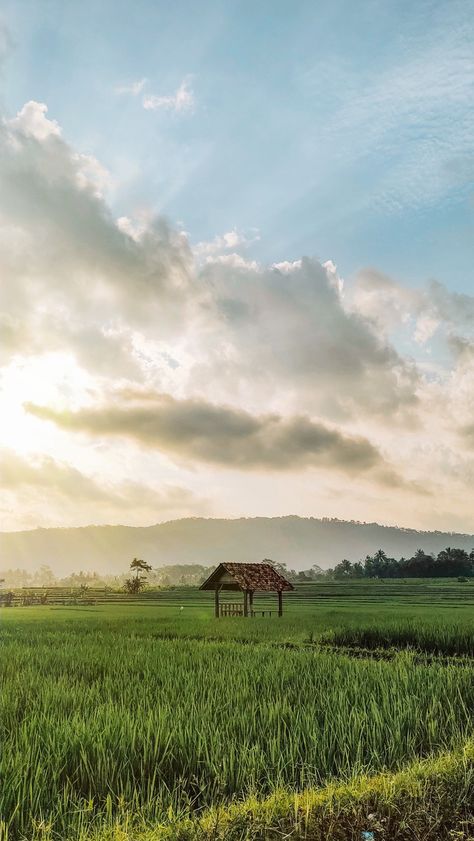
436,638
431,800
150,716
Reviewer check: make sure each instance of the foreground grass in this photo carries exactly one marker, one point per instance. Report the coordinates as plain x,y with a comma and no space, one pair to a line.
106,722
432,800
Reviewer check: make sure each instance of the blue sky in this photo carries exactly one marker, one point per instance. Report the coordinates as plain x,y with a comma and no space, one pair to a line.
339,130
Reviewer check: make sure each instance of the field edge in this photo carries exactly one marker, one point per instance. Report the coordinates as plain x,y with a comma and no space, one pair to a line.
429,799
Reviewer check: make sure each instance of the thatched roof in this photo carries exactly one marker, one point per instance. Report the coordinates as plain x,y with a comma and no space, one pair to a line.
246,577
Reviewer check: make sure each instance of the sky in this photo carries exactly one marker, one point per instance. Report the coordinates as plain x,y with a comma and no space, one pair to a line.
236,248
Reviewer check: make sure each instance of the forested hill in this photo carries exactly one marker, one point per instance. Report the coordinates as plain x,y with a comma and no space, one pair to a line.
297,541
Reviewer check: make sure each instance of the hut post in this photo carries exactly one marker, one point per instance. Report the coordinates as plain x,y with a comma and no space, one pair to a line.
246,603
251,602
216,603
280,603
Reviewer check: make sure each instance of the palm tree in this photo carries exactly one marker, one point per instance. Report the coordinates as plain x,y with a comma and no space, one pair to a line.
139,566
134,585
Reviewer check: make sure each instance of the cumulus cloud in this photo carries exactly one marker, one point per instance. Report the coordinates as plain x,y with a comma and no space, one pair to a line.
439,324
425,329
226,250
67,267
287,266
260,368
229,241
49,194
390,303
66,260
75,276
31,121
235,261
454,307
292,328
197,430
181,101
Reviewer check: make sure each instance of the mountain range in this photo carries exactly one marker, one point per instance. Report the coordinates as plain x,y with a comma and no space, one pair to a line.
299,542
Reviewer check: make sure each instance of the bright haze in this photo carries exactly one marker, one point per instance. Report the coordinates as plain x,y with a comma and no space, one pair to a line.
236,250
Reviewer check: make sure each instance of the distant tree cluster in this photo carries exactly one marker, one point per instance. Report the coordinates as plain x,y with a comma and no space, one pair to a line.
449,563
174,575
45,577
180,575
312,574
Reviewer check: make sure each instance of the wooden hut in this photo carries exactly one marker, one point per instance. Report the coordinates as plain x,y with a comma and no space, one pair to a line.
248,579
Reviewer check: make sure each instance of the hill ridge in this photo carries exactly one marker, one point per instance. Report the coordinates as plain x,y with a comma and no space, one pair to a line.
298,541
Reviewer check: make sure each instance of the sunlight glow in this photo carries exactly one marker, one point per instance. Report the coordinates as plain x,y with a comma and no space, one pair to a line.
53,378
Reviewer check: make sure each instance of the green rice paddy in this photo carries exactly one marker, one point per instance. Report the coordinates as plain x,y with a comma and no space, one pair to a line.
136,720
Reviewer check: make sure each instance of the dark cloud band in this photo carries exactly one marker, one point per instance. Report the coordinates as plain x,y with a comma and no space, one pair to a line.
200,431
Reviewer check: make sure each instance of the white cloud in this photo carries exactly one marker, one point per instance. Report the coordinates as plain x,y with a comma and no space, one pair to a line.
289,338
136,227
217,250
287,266
127,304
230,240
32,121
386,302
233,260
181,101
426,327
133,88
425,311
92,175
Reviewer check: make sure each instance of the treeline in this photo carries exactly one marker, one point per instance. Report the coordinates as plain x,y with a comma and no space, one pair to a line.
449,563
175,575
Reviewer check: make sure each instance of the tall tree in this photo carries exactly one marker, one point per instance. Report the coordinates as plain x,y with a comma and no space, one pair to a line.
140,567
135,584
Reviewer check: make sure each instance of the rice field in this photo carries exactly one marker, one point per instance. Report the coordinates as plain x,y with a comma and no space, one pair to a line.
148,716
456,639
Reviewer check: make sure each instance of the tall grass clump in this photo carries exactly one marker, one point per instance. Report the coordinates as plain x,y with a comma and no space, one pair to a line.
99,726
